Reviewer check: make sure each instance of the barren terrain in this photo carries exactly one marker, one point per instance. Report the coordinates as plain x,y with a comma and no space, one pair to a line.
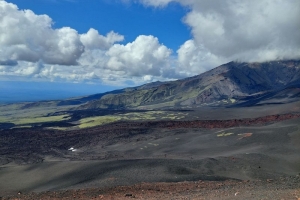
216,156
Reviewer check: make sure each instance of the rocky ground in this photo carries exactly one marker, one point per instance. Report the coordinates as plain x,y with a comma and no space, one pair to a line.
24,146
285,188
250,158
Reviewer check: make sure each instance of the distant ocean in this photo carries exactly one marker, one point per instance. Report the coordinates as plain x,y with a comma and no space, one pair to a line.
30,96
17,91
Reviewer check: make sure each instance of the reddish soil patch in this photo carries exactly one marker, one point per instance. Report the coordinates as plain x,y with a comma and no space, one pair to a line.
205,123
245,135
230,189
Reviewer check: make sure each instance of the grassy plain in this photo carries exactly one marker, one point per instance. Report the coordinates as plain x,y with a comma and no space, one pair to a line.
132,116
69,119
20,121
20,116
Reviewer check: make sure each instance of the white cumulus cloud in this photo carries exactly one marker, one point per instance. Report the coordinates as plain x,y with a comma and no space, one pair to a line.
195,58
222,31
93,40
256,30
25,36
144,56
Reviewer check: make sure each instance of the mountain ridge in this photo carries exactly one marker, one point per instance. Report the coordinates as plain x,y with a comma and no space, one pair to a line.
230,84
227,83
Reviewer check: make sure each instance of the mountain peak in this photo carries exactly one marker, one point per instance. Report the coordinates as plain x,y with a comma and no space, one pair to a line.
226,84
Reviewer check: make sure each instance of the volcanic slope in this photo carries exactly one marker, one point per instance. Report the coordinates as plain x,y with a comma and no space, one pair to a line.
233,82
126,154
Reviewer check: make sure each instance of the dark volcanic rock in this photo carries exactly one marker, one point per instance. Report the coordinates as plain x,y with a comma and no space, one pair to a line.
6,125
32,145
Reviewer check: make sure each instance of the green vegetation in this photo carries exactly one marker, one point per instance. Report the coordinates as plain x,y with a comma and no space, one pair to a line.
3,119
40,119
134,116
96,121
232,100
31,119
158,105
28,113
153,115
26,126
225,134
58,128
25,117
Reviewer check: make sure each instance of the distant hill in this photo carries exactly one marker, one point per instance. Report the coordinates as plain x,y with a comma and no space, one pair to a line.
231,83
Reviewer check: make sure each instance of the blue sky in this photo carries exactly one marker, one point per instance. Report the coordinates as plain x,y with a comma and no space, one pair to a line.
58,48
130,20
